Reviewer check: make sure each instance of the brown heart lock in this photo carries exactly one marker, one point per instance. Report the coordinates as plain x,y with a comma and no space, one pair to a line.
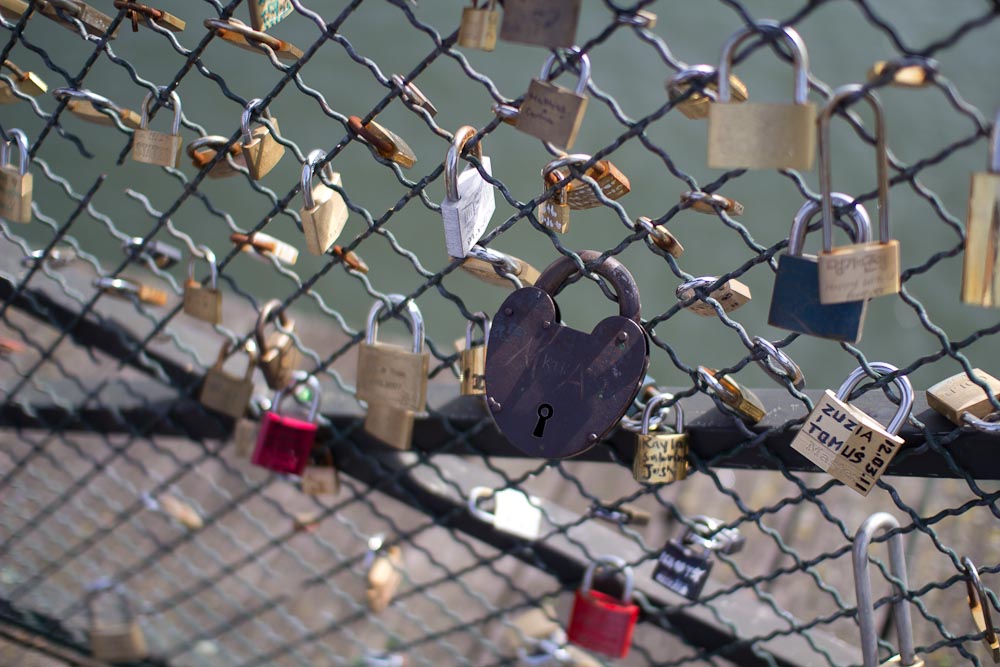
554,391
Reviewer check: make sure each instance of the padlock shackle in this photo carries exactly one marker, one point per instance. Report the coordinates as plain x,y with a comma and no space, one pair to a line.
253,37
208,256
416,319
901,382
229,347
175,102
611,562
581,84
476,494
482,318
656,401
981,425
563,268
501,263
63,94
709,533
262,319
725,394
120,287
23,157
976,594
777,364
878,522
462,137
849,92
314,385
857,218
245,118
705,73
564,161
308,169
686,289
800,58
212,142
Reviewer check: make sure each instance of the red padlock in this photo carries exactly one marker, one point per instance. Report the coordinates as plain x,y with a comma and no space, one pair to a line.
600,622
285,443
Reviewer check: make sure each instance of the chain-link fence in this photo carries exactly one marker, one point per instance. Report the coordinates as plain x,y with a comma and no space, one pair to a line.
115,475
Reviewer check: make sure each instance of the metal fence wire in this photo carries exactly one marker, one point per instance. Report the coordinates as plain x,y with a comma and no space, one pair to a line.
125,498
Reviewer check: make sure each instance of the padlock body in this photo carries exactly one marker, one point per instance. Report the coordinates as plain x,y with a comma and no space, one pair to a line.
392,375
602,623
323,223
516,514
959,394
551,113
390,424
846,443
266,14
859,271
485,272
122,643
795,304
152,147
466,218
320,481
757,135
660,458
15,194
612,183
244,439
549,23
472,364
553,215
280,361
682,569
401,153
731,295
478,29
225,393
981,260
263,152
284,444
203,303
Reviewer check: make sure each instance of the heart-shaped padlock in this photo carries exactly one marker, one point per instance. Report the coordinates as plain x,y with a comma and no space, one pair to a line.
554,391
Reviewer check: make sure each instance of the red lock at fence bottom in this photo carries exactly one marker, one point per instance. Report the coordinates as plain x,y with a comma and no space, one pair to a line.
601,622
285,443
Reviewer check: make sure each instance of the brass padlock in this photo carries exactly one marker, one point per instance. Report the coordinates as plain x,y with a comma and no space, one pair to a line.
549,23
323,211
204,149
128,289
743,401
392,380
695,106
151,253
961,401
979,608
553,213
612,183
119,641
413,96
321,477
385,573
93,108
907,72
661,456
150,16
710,203
261,151
497,268
264,247
386,143
552,113
660,236
981,260
756,135
478,29
279,358
152,147
201,302
239,34
731,295
266,14
25,83
13,9
225,393
472,359
16,183
861,270
67,12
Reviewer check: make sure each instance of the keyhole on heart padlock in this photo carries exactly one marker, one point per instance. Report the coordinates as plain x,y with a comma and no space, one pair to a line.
544,414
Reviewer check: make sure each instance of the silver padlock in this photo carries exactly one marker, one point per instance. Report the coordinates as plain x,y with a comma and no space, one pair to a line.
469,200
515,512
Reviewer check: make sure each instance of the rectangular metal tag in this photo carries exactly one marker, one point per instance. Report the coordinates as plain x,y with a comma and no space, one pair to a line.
682,570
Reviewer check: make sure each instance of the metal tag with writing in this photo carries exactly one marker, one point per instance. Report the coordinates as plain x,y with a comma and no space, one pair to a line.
682,570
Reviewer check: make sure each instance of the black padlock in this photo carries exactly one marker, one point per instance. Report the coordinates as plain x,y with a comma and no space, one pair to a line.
554,391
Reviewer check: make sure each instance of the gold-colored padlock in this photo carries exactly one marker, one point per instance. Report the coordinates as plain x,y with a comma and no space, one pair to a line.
321,478
266,14
383,141
264,247
548,23
743,401
553,213
612,183
150,16
128,289
25,83
958,396
225,393
413,96
152,147
757,135
552,113
710,203
391,379
907,72
660,236
200,301
16,183
118,641
981,260
661,456
695,106
731,295
385,573
204,149
862,270
472,359
496,268
478,29
323,211
261,151
279,358
93,108
13,9
979,607
67,12
239,34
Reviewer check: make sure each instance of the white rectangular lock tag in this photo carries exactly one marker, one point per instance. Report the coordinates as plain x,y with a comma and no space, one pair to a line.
466,218
517,513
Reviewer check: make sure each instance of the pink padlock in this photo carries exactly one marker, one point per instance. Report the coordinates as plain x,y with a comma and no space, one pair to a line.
285,443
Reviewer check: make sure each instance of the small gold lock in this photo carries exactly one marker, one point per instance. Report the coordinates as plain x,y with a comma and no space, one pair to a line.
67,12
120,641
153,147
472,359
979,607
413,96
478,29
239,34
551,113
264,246
548,23
731,295
743,401
553,213
695,106
661,237
321,478
279,357
25,83
203,150
128,289
16,183
387,144
908,72
660,456
958,396
493,267
261,151
323,211
93,108
385,573
149,16
711,203
201,302
580,196
225,393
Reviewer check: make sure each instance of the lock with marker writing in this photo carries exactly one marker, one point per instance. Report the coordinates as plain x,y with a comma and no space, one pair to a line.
472,359
599,621
284,443
391,379
515,512
533,358
696,105
965,403
478,29
200,301
469,199
121,640
548,23
278,355
16,183
845,442
981,260
552,113
661,456
225,393
323,211
795,299
684,564
731,295
741,400
160,148
757,135
862,270
261,151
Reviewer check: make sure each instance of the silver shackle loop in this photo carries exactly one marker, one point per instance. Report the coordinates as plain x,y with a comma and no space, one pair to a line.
581,84
800,57
412,312
175,102
901,382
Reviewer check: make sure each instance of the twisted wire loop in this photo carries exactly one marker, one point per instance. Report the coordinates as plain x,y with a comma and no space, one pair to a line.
113,472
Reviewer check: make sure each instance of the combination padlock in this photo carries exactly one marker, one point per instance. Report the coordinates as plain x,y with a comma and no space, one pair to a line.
16,183
152,147
660,456
261,151
201,301
285,443
278,355
323,211
600,622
